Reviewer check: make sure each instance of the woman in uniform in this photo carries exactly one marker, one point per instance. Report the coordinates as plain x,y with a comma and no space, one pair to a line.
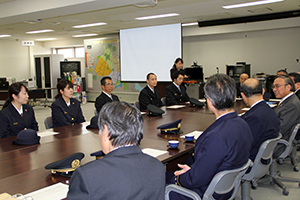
65,109
178,64
16,115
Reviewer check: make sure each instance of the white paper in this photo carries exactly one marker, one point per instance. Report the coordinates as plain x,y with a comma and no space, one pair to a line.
143,113
57,191
153,152
202,100
90,80
176,106
238,98
246,109
196,134
86,123
46,133
277,100
272,105
241,114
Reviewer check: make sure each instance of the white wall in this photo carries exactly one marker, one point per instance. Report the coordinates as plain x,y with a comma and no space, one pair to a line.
266,50
15,60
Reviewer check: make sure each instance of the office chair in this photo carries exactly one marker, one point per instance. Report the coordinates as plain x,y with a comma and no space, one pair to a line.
163,100
259,168
222,183
275,176
137,104
95,112
48,123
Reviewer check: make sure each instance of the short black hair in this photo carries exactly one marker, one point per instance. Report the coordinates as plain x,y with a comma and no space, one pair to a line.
124,123
103,80
282,70
249,91
288,80
148,75
296,76
175,74
220,90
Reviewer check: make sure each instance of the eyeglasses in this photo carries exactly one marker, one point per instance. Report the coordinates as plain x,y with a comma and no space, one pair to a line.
277,86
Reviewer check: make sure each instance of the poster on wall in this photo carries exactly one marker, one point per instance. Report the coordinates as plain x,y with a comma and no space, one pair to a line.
102,58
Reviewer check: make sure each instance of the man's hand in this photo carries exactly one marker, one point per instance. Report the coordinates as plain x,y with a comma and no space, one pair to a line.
184,168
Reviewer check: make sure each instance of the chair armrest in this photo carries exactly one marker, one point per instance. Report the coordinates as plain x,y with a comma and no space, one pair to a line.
181,190
281,141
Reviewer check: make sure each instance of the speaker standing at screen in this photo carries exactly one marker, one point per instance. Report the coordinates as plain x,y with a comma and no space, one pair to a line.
178,64
175,92
150,95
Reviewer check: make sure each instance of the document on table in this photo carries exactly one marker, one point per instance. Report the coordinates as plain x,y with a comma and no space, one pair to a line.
153,152
196,134
176,106
238,98
272,105
57,191
202,100
47,133
275,100
246,109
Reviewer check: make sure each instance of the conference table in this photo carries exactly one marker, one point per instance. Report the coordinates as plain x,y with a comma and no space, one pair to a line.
22,167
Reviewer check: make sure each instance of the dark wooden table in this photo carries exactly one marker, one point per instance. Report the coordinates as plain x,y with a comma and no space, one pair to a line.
22,167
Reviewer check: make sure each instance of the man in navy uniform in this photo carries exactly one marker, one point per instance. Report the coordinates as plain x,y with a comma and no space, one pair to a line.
261,118
224,145
125,172
288,110
106,95
175,92
149,94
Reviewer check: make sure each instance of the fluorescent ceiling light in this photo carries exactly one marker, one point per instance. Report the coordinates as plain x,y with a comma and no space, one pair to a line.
255,3
5,36
85,35
40,31
45,39
89,25
190,24
157,16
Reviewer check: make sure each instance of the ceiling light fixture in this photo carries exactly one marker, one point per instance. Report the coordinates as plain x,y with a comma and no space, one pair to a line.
190,24
45,39
85,35
89,25
255,3
5,36
39,31
157,16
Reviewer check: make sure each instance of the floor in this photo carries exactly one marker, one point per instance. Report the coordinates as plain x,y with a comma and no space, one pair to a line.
265,190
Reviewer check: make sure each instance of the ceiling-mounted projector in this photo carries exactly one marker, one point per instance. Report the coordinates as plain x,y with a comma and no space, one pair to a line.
146,3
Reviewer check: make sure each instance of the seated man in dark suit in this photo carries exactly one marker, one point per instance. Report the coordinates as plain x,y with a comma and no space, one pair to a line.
175,92
106,95
150,95
261,118
288,110
296,78
125,172
224,145
243,77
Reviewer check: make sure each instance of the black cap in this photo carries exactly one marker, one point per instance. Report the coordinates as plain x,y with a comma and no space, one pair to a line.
93,123
66,166
98,154
154,110
195,103
27,137
173,127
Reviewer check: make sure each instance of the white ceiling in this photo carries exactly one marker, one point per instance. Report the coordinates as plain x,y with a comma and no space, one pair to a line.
61,15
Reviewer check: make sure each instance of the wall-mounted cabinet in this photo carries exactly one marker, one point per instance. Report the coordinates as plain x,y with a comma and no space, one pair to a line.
47,70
